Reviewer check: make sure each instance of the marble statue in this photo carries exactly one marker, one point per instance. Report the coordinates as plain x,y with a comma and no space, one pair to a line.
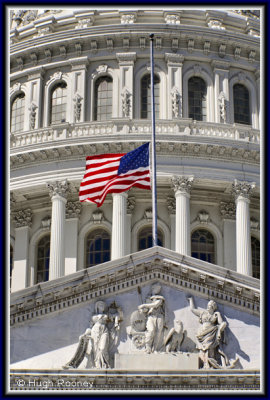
210,336
155,323
175,337
148,323
96,342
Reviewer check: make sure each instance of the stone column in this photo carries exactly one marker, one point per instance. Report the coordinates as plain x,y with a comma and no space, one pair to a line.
58,193
23,221
182,186
73,209
171,209
130,208
126,67
242,192
227,210
119,225
175,64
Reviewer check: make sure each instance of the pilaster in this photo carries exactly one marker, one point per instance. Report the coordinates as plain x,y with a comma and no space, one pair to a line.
73,209
126,65
130,207
79,69
23,222
175,64
227,211
221,90
35,96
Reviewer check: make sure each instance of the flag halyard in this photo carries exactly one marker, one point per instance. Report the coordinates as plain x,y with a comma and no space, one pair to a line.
115,173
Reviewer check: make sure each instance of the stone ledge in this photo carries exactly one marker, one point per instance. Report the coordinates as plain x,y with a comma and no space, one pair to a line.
145,381
152,362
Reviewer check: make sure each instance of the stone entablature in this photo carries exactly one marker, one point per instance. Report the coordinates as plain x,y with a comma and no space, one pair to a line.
137,381
120,276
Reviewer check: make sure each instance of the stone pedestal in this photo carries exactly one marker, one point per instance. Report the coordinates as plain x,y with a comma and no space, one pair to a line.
157,361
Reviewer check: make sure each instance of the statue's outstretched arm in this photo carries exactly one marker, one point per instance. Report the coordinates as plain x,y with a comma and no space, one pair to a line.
192,307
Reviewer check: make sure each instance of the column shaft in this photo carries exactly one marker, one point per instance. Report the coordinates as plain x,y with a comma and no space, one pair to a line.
119,225
57,237
182,228
243,249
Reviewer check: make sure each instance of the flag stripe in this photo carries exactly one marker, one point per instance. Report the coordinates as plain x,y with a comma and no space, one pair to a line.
102,177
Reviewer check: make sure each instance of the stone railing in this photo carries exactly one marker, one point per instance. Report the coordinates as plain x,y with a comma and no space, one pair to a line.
183,127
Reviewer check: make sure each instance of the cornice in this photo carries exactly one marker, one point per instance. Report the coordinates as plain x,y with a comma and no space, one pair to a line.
76,42
166,145
138,381
163,265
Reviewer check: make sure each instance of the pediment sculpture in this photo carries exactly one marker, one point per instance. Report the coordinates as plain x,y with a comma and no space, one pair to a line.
97,341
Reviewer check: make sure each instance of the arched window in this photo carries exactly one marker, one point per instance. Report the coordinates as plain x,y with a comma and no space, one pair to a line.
203,245
58,109
241,104
255,251
98,247
103,98
146,96
197,107
43,259
11,262
17,113
145,238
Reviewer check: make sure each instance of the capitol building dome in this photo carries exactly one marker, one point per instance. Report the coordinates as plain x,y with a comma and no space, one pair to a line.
80,86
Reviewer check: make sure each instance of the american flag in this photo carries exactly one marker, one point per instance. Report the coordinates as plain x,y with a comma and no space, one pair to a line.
115,173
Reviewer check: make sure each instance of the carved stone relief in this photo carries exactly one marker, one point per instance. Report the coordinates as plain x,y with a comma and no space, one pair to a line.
32,119
222,101
23,218
126,102
176,103
77,107
97,342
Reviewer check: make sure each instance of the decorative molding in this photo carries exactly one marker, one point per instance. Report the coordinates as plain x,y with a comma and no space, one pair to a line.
182,184
237,52
97,283
243,189
171,204
190,45
126,103
58,188
32,116
175,44
223,105
126,58
109,42
197,70
48,54
222,50
130,204
77,107
114,380
129,18
176,99
206,47
227,209
23,218
148,215
63,51
203,217
46,222
84,23
172,18
97,217
73,209
173,59
34,58
94,46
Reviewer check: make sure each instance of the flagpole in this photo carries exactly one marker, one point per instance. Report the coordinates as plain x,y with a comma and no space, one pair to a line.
154,186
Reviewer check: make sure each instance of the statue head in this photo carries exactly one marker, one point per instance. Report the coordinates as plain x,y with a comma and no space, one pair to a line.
100,307
156,288
211,306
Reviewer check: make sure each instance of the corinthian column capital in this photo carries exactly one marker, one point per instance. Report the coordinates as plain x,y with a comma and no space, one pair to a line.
243,189
60,188
182,184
